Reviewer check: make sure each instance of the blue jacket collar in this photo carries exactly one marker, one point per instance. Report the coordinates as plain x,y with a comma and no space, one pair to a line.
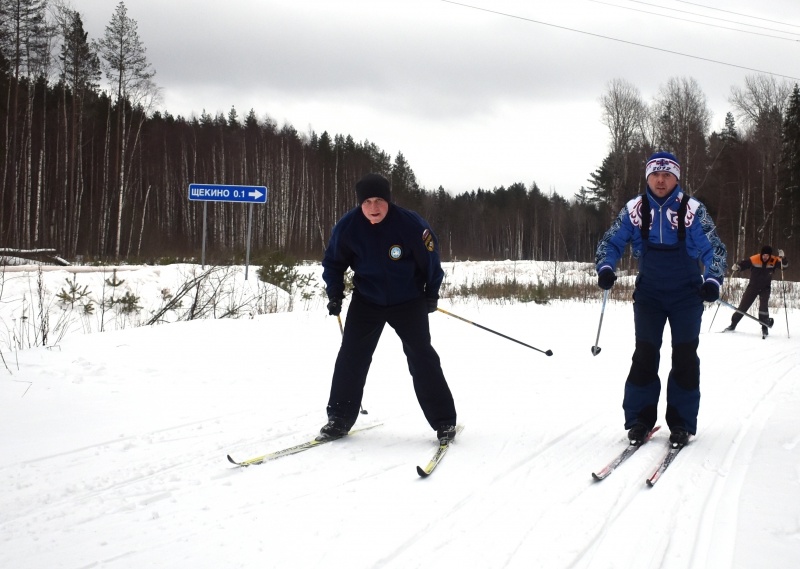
674,195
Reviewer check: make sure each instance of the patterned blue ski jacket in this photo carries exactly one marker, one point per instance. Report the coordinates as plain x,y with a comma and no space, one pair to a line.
702,242
394,261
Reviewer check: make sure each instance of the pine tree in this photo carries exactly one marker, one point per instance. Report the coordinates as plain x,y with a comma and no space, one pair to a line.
601,186
23,44
126,66
80,73
404,182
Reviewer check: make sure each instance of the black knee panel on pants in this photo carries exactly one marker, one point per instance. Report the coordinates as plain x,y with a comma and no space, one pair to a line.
644,369
686,365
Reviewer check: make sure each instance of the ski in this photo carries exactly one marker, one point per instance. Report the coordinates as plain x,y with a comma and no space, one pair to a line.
437,457
319,440
664,464
621,457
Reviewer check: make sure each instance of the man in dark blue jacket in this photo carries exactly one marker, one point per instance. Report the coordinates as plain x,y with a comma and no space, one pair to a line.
397,274
670,234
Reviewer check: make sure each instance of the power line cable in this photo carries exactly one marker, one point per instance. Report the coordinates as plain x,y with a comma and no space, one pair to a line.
696,22
738,14
712,17
619,40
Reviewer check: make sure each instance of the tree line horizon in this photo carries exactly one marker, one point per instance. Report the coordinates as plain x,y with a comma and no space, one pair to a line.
102,174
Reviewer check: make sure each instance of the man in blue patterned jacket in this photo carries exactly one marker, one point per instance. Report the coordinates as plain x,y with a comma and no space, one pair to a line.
670,235
397,274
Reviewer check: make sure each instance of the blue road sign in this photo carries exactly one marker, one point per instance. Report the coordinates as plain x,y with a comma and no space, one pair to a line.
227,193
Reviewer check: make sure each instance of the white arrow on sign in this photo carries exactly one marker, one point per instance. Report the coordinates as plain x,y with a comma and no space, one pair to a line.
256,194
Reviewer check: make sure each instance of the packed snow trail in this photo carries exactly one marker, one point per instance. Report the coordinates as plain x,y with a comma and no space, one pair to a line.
114,451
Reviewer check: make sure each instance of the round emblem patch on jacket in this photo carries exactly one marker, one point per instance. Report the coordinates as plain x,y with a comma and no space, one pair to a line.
395,252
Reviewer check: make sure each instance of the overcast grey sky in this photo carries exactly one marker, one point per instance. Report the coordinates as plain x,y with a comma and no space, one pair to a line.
485,96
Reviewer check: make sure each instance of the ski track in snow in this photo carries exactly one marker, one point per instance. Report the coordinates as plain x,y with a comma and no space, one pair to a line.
490,503
715,542
709,503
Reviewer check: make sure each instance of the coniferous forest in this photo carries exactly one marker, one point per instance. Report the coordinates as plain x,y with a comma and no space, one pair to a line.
99,174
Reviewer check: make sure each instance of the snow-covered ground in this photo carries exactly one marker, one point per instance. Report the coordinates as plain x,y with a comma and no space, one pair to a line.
113,444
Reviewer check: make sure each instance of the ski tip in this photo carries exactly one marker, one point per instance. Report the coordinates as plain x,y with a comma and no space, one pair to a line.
230,459
650,482
422,472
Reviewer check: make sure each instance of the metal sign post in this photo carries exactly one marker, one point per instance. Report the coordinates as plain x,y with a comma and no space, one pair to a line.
228,193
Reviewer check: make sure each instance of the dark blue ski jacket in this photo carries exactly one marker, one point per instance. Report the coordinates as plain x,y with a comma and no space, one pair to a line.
394,261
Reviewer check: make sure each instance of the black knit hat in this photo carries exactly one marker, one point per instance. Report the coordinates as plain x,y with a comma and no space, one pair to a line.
373,186
766,250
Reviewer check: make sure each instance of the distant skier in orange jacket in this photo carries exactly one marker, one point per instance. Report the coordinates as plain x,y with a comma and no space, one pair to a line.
762,267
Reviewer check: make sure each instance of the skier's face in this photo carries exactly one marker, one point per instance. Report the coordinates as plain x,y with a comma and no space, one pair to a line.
662,183
375,209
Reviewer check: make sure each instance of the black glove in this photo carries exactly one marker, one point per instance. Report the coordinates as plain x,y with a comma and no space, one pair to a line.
433,304
709,291
606,278
335,306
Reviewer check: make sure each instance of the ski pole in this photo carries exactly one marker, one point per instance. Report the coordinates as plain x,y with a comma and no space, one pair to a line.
714,318
341,329
596,348
768,323
547,353
785,310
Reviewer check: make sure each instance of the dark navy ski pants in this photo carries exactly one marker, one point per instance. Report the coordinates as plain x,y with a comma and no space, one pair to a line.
363,327
750,294
667,290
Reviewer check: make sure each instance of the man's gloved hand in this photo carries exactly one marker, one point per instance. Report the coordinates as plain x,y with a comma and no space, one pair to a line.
735,267
433,304
709,291
780,253
335,306
606,278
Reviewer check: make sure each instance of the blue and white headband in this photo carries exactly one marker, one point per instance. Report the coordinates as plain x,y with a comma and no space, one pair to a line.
663,162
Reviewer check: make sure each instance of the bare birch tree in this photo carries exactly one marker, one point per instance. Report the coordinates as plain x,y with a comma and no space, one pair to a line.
684,120
624,114
761,105
760,94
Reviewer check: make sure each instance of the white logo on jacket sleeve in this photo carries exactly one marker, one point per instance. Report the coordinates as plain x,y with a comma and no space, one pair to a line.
635,209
